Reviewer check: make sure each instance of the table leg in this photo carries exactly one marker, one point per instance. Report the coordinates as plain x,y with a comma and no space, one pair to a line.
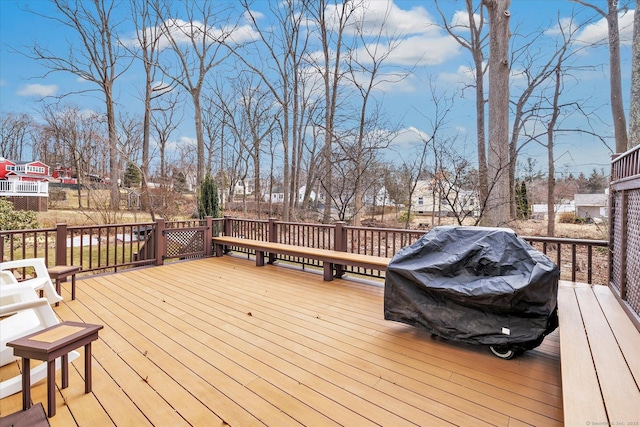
87,368
73,286
26,383
51,387
65,370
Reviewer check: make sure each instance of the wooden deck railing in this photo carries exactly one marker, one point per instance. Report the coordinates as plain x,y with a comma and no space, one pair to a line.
578,259
104,248
109,248
624,202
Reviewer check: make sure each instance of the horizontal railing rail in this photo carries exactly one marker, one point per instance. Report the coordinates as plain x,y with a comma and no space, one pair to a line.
578,259
24,187
109,248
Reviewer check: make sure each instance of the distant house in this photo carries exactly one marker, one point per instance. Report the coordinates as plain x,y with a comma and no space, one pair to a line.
64,175
592,206
276,195
24,171
25,184
428,199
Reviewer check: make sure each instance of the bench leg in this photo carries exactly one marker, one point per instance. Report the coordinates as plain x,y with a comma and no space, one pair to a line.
259,258
73,286
339,271
219,250
328,271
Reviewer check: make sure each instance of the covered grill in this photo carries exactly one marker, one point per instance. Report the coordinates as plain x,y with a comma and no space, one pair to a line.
477,285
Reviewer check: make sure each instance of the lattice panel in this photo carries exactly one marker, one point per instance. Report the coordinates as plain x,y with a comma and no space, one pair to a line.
184,242
616,227
633,250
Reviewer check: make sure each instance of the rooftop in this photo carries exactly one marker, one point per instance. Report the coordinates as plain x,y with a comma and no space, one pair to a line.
217,341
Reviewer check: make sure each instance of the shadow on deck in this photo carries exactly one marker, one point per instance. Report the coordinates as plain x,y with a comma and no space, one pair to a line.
218,341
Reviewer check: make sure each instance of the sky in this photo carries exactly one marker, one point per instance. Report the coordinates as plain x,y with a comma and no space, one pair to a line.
425,48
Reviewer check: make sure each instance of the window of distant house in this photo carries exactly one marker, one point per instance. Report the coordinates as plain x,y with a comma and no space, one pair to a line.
9,168
281,196
35,169
420,201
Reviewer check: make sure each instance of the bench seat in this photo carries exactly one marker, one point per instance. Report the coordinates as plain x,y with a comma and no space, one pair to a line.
331,260
600,357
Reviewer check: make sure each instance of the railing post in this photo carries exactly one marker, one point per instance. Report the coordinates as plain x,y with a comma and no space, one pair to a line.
161,241
208,236
226,226
273,237
61,244
340,237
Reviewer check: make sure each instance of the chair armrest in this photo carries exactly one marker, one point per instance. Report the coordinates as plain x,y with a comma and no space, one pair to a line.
20,306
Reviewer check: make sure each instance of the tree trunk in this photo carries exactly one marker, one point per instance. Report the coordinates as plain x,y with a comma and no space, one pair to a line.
634,104
197,111
113,149
617,109
497,213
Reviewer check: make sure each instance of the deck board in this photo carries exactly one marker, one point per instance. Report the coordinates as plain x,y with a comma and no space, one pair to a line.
217,340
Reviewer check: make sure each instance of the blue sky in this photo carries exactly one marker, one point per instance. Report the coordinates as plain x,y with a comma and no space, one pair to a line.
432,52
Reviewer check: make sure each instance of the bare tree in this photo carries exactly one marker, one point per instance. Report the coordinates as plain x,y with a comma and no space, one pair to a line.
164,122
96,57
16,135
475,44
497,207
634,104
615,75
281,45
365,65
416,167
331,22
197,46
536,67
78,134
147,51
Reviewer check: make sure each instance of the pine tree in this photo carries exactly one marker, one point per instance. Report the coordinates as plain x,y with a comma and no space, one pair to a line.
524,201
208,202
132,176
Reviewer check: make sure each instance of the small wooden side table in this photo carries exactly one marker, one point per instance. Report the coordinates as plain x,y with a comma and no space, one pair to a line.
49,344
59,273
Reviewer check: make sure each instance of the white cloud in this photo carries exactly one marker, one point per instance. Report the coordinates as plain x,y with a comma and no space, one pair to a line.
38,90
373,14
460,21
598,32
464,75
409,137
424,50
183,31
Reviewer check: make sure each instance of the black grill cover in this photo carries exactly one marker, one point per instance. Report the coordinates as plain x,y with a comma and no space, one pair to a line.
474,284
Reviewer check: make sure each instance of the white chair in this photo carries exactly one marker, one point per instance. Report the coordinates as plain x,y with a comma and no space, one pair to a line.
41,281
27,314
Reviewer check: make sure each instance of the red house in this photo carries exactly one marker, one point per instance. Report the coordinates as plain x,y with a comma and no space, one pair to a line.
64,175
25,184
24,171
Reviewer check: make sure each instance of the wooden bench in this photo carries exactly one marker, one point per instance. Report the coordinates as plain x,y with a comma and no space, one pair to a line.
600,357
331,260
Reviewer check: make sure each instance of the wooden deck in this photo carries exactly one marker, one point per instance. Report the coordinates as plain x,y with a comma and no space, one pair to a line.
218,341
